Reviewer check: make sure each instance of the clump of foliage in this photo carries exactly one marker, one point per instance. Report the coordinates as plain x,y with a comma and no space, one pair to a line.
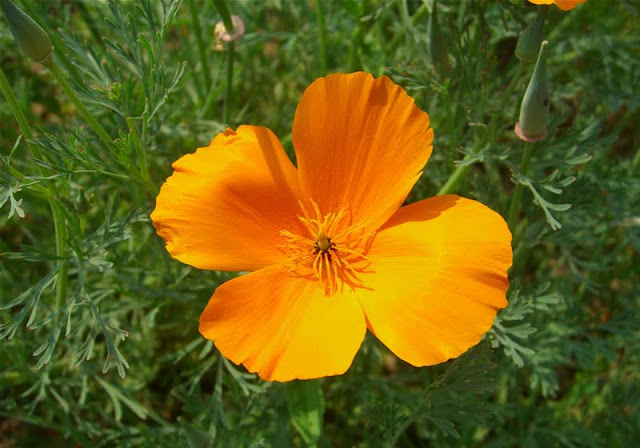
98,326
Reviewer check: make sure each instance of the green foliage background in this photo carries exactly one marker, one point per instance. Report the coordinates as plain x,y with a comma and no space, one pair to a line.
117,359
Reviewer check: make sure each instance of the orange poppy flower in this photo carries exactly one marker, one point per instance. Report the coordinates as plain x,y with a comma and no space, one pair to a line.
565,5
332,250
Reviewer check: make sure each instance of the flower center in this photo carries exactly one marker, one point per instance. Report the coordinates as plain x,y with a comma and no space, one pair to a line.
333,252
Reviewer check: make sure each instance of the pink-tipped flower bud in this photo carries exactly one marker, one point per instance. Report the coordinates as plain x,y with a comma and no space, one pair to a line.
223,34
534,111
31,38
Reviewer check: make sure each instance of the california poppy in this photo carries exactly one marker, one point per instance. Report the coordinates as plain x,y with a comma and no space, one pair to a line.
565,5
332,251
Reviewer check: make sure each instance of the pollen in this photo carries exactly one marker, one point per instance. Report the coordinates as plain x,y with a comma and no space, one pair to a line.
332,252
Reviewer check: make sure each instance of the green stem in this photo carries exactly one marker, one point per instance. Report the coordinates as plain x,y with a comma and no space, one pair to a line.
451,118
139,149
415,18
505,99
31,184
305,401
322,31
141,156
225,15
56,211
62,279
636,161
355,63
17,113
211,96
97,127
26,132
454,180
226,114
195,20
516,197
461,171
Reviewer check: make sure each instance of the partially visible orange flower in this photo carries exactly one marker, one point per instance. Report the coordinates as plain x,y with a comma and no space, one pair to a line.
565,5
332,250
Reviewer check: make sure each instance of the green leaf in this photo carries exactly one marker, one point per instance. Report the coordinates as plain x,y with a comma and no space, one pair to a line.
306,408
118,396
195,437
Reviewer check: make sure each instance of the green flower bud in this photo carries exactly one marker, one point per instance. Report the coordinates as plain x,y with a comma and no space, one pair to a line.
31,38
534,111
437,43
531,38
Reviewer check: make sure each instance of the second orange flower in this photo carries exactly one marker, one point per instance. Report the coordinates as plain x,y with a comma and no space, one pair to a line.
565,5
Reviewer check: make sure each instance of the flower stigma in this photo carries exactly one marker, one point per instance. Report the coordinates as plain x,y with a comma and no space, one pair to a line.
333,252
324,243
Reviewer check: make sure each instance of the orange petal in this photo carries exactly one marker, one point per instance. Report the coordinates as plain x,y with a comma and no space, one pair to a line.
565,5
361,144
440,275
284,327
224,205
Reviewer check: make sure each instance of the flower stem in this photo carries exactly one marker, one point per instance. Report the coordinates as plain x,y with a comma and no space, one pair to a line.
225,15
636,161
17,113
355,63
507,95
229,91
141,156
56,212
195,20
454,180
97,127
26,132
60,230
461,171
305,401
322,31
516,197
417,16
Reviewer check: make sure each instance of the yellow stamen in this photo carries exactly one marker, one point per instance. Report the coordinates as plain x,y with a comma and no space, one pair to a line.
333,253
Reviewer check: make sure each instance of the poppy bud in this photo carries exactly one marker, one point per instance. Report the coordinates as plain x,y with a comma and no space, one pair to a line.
534,111
437,43
31,38
530,39
222,33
